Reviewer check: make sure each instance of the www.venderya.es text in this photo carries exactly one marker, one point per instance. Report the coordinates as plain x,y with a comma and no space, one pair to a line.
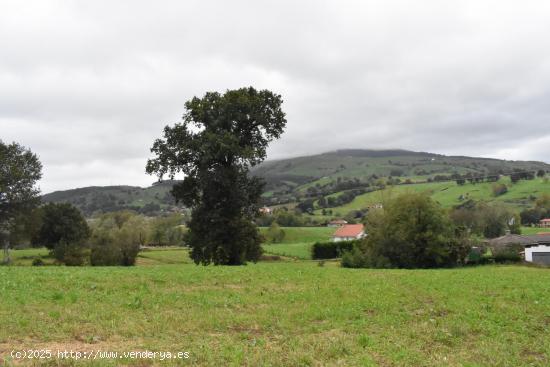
43,354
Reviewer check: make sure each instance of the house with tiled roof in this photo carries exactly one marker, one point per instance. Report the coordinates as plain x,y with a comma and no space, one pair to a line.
544,223
349,232
337,223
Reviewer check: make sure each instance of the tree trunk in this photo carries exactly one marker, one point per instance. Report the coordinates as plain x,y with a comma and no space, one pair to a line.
7,258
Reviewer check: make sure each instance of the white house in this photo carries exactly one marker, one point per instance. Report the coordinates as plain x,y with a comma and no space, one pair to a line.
336,223
536,247
349,232
266,210
539,252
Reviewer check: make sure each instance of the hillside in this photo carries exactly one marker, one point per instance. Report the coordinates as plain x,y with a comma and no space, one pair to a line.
94,199
520,195
289,179
329,174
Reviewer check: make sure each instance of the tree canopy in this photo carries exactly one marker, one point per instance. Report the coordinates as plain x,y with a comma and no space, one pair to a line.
412,231
61,223
20,169
220,138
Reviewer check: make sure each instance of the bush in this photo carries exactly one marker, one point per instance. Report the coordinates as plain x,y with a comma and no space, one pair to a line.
114,248
499,189
104,250
354,259
330,250
37,262
509,254
504,257
71,254
275,234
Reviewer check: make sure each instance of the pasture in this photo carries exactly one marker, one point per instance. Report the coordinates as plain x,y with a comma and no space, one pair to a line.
520,195
282,313
298,241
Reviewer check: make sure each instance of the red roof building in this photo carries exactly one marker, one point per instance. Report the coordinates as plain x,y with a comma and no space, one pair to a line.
349,232
545,223
336,223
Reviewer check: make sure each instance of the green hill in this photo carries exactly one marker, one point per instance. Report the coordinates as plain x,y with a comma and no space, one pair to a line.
521,194
322,174
329,174
95,199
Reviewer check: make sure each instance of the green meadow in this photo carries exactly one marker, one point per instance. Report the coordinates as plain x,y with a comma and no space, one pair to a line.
279,314
298,241
520,194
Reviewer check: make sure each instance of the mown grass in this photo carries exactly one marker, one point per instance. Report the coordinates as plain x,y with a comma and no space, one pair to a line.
25,257
300,250
304,234
283,314
534,230
297,241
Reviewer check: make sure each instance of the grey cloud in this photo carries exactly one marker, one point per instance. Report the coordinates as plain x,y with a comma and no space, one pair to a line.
90,85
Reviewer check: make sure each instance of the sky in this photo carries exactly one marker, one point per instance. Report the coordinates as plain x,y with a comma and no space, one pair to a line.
89,85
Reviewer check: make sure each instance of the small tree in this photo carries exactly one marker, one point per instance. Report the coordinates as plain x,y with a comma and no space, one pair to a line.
64,232
541,173
20,169
275,234
220,138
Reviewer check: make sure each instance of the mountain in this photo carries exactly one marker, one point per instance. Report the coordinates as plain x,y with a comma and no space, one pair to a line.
293,179
287,175
100,199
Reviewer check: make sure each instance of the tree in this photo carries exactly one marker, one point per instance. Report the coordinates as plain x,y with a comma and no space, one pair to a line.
166,231
486,219
117,238
275,234
306,206
412,231
63,231
541,173
20,169
220,138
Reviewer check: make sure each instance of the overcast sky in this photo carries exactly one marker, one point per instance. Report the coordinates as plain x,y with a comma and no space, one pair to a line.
88,85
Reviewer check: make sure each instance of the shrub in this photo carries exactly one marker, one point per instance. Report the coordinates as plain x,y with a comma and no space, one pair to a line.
37,262
354,259
275,234
499,189
330,250
503,257
114,248
509,254
71,254
104,250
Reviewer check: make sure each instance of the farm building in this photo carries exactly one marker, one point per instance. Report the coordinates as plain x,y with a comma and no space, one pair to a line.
349,232
265,210
337,223
545,223
537,247
539,253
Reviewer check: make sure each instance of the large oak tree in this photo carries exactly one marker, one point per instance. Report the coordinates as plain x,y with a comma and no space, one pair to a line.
220,138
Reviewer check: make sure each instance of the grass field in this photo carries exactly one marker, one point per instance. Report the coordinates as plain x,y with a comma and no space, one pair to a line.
282,314
519,195
300,250
298,240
